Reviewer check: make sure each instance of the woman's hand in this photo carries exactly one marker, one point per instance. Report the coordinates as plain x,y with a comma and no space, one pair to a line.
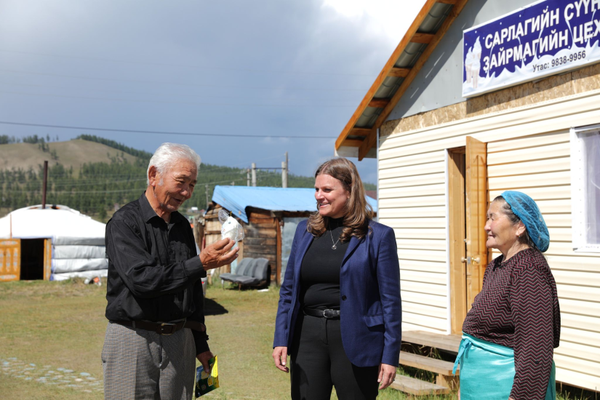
387,373
280,358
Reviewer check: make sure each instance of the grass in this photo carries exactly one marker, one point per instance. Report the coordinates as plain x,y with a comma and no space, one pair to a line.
59,327
54,324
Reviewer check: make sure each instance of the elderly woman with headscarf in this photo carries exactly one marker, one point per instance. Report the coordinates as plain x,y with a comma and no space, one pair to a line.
510,333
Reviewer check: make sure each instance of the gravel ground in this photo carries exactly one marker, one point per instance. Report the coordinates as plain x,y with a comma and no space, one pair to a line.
50,375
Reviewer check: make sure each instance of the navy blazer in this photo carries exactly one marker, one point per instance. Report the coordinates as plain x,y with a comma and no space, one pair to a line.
370,306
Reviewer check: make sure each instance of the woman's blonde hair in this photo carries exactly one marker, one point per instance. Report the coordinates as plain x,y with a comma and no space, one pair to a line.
358,211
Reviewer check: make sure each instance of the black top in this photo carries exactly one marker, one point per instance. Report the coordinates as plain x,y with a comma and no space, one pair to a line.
518,308
153,268
320,270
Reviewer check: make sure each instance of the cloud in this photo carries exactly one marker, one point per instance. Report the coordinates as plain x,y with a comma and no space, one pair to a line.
230,66
384,19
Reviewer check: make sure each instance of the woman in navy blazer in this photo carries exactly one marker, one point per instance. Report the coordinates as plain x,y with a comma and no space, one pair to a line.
339,315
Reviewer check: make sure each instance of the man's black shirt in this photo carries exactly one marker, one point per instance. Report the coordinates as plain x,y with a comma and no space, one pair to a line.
153,268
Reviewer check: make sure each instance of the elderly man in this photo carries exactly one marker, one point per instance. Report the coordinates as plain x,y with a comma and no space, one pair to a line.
156,322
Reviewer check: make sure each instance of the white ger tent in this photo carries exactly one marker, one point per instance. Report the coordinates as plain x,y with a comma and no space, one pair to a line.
56,238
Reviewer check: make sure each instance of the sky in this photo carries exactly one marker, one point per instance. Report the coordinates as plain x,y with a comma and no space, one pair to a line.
239,81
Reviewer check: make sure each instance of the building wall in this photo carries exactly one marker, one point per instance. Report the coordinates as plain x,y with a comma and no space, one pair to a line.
260,239
529,150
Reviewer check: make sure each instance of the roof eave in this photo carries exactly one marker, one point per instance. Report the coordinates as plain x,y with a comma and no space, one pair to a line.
359,141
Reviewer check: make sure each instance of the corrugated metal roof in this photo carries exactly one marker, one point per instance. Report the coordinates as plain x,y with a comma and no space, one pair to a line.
237,198
359,135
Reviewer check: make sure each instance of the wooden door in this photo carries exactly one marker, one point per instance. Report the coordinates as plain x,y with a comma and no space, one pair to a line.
467,188
10,260
457,237
47,259
476,209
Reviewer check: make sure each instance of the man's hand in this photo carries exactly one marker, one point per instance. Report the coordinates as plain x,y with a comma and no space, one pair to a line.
280,358
218,254
204,358
387,373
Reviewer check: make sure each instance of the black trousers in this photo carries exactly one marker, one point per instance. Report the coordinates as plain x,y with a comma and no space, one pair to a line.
319,362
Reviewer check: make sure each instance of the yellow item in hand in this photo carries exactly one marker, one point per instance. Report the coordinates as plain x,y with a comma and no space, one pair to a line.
207,381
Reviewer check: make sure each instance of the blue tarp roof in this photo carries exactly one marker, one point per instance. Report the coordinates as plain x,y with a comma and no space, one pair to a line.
236,198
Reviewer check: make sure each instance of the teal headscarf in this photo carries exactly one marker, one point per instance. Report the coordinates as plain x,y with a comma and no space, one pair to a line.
528,212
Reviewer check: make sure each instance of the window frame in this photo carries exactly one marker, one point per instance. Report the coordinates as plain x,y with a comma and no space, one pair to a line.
578,190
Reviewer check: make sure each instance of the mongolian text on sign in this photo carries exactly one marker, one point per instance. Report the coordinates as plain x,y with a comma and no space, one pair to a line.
545,38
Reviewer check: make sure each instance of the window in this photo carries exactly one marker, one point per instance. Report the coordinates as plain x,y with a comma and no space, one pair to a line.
585,187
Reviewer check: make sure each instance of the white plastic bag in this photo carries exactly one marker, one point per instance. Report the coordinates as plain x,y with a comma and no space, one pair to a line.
231,228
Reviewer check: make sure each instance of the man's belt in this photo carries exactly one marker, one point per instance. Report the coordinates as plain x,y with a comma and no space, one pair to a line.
327,313
163,328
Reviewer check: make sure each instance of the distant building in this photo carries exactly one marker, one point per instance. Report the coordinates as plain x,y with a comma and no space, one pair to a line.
54,243
269,217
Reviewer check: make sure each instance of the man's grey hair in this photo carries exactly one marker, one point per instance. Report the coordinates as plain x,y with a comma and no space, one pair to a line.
169,153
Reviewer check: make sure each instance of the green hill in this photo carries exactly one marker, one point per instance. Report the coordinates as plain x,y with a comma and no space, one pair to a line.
96,176
73,153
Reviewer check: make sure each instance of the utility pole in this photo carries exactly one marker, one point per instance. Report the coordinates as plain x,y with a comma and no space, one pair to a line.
284,172
45,184
206,191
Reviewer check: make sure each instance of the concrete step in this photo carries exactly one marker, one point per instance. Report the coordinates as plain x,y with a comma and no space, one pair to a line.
417,387
427,363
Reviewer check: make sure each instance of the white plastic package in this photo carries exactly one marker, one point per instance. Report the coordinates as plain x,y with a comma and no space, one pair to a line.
230,228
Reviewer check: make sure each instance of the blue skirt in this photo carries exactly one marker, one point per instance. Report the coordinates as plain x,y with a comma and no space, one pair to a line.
487,370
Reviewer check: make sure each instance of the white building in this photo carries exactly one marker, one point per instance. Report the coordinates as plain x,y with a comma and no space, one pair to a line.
529,123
